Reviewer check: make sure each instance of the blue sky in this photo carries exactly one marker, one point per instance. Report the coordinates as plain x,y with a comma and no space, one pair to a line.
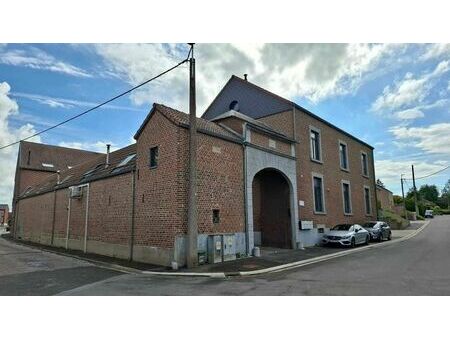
395,97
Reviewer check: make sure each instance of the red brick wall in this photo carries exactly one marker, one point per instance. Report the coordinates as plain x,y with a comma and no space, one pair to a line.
282,122
109,223
330,169
28,178
159,203
262,140
233,123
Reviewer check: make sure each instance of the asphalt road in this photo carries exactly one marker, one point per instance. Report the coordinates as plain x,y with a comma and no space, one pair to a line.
418,266
27,271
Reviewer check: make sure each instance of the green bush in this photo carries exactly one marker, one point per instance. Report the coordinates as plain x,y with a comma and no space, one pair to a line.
437,211
394,220
445,211
420,218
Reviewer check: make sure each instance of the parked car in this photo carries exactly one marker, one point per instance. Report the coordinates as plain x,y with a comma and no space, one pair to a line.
429,214
378,230
347,235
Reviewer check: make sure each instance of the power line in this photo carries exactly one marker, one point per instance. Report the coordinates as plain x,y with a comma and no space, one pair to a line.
99,105
437,172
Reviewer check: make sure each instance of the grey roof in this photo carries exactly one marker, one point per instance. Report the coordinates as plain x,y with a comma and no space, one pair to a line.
257,102
253,100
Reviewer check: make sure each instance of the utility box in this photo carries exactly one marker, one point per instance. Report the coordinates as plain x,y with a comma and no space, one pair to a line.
215,251
229,248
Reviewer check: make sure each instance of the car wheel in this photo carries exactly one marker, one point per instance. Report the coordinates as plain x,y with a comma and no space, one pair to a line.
367,240
389,236
353,242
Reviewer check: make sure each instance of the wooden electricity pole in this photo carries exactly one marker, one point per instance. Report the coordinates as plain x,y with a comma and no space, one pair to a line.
415,191
403,197
192,231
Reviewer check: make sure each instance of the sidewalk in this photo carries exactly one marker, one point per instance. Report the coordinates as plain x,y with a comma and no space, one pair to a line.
269,260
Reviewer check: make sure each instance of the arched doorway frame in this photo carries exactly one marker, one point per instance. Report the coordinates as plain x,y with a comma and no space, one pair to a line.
257,160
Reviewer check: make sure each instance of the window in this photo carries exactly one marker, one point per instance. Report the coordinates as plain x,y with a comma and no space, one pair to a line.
153,157
346,195
315,145
216,216
48,165
364,164
126,160
367,200
343,156
319,203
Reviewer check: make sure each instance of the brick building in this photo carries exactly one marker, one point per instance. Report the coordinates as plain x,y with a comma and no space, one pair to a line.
385,198
4,214
270,173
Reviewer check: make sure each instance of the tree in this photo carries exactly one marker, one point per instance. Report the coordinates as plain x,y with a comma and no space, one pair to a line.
429,193
380,183
397,199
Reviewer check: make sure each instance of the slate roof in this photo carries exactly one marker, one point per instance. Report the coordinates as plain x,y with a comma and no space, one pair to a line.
257,102
45,157
181,119
86,172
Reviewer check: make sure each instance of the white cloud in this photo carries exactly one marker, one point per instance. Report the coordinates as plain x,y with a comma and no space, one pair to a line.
436,50
409,114
409,91
37,59
433,139
9,108
389,171
99,146
313,71
55,102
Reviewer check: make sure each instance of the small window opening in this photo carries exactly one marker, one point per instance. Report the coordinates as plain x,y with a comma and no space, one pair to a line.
216,216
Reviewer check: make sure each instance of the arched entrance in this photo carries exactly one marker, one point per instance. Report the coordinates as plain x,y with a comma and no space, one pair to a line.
272,209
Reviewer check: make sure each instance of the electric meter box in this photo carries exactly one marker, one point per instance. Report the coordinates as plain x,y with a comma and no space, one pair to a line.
229,247
215,250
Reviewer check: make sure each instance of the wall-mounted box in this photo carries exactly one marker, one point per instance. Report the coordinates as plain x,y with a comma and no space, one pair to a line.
306,225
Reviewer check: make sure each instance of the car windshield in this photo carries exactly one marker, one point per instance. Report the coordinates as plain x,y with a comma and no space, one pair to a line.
342,227
369,224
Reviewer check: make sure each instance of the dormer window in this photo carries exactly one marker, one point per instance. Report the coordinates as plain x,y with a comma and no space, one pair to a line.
234,105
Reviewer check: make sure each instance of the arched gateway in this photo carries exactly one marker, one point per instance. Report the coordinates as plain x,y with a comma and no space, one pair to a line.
271,195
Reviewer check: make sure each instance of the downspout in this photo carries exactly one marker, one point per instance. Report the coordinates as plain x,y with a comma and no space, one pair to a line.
374,186
54,216
86,219
247,246
68,222
133,207
54,208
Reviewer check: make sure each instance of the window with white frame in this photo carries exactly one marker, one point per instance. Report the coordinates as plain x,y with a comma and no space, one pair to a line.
347,198
343,155
364,164
318,194
316,154
367,204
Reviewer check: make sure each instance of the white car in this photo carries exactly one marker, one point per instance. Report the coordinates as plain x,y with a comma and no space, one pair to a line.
347,235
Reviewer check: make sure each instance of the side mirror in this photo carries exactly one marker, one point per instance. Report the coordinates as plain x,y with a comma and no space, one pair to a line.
356,230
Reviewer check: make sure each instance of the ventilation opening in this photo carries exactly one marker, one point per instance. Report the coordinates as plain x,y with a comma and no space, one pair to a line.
234,105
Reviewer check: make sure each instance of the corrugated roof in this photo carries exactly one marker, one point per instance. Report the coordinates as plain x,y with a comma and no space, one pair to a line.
86,172
257,102
182,119
46,157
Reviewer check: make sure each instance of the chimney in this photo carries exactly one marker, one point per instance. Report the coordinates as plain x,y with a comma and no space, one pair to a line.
108,147
245,77
58,177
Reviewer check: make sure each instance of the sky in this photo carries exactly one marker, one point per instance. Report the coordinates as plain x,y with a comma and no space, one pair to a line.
395,97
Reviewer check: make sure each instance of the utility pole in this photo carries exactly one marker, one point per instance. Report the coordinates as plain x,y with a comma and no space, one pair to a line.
403,197
192,231
415,191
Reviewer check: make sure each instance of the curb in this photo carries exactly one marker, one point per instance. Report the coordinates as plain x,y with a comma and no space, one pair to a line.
223,275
